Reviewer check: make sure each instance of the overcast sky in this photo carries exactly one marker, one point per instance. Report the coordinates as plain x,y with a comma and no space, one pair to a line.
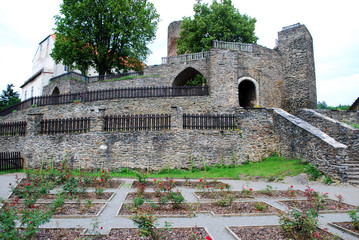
333,25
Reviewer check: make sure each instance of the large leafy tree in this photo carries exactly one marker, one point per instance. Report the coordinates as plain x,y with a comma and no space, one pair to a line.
104,34
220,21
9,97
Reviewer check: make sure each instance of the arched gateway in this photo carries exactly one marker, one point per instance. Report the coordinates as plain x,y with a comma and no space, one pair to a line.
248,95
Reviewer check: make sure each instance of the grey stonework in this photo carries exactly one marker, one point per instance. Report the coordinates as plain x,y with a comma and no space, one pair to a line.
298,139
283,77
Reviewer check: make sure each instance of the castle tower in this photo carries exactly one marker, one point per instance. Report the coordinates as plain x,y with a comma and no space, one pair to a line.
296,47
173,34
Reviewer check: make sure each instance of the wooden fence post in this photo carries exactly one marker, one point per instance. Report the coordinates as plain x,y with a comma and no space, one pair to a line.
33,126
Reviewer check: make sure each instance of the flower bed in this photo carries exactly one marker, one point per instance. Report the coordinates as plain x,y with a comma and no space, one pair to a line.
328,206
271,232
105,196
253,194
236,208
69,209
347,227
146,195
189,184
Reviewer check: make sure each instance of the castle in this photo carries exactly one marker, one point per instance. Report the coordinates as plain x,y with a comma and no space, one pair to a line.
257,102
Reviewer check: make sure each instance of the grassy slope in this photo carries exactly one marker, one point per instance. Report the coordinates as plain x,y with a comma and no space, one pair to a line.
272,167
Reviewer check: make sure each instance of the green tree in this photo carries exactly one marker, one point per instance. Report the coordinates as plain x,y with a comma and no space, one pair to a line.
220,21
104,34
9,97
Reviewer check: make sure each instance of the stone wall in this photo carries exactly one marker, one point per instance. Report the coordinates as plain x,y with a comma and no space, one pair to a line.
295,44
341,116
252,140
298,139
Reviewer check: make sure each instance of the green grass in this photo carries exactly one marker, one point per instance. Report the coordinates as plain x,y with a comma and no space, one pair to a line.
270,168
355,125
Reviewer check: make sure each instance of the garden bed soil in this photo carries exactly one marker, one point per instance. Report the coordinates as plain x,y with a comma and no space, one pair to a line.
174,234
236,208
253,194
270,232
347,226
82,196
58,233
68,209
113,183
146,195
189,184
329,205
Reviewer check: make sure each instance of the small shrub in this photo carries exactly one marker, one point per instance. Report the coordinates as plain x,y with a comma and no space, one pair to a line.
99,192
299,224
327,180
146,225
354,215
313,172
260,206
268,190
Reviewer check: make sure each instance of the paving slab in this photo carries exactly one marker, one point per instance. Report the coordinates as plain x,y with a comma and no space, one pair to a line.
216,225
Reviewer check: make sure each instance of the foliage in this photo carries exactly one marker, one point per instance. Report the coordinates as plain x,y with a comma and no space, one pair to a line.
323,105
146,224
260,206
299,224
313,172
355,218
9,97
104,34
328,180
219,21
197,80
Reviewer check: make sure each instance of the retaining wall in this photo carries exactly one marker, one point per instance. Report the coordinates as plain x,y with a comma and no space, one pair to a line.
298,139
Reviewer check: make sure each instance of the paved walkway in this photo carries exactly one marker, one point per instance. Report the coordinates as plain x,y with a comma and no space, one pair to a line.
215,225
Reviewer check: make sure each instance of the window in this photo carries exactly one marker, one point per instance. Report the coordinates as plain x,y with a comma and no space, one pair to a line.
25,95
67,68
32,91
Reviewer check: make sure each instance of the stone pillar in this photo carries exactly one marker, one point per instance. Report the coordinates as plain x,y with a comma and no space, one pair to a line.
33,126
176,118
97,120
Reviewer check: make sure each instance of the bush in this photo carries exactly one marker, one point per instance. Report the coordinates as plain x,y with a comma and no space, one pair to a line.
354,215
313,172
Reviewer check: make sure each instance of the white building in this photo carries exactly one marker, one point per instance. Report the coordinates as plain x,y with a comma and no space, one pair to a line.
43,69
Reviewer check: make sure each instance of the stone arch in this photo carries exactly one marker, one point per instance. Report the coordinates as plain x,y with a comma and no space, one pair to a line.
186,75
56,91
248,92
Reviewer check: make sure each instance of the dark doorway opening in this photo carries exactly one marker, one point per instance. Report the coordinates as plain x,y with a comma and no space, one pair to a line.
189,77
56,91
247,94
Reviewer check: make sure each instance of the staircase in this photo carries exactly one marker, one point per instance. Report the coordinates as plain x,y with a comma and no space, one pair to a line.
353,166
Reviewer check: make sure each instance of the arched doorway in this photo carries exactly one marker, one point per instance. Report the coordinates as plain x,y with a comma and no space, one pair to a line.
247,92
56,91
189,77
55,96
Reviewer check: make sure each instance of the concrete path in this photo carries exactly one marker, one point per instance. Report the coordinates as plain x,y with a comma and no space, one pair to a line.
214,224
